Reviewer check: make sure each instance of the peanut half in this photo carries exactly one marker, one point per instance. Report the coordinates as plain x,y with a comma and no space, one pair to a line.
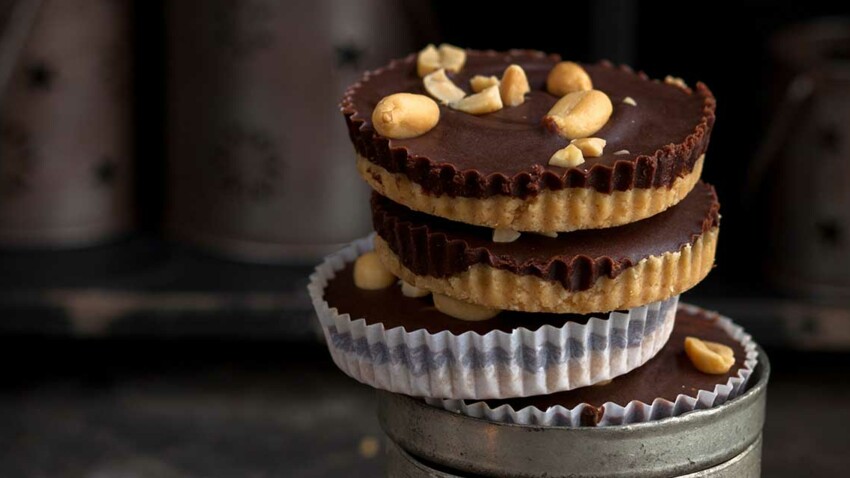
481,103
502,234
410,290
405,115
370,273
676,81
568,157
438,85
463,310
567,77
579,114
431,59
514,86
709,357
479,82
428,61
590,147
452,57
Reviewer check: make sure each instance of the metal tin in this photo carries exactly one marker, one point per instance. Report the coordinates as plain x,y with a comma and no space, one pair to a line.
65,128
691,443
810,120
261,167
401,464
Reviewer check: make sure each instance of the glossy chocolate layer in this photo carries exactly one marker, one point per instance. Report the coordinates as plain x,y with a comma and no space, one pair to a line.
436,247
390,307
667,375
506,152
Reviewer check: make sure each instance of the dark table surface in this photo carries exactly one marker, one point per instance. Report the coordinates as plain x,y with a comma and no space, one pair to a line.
216,408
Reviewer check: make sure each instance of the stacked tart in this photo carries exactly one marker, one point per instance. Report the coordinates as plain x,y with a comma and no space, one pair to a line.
535,222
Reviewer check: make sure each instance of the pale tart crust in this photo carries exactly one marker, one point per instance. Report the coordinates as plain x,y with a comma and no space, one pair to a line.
652,279
563,210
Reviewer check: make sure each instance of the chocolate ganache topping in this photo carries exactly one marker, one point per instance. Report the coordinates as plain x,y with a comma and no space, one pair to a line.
436,247
507,152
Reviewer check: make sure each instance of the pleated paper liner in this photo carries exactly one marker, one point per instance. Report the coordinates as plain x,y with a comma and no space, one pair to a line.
493,365
623,413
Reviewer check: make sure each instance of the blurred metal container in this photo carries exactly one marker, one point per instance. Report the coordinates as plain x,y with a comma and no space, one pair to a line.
807,154
724,441
65,126
261,167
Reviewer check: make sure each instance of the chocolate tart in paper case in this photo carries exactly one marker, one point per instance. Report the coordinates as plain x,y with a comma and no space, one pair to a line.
493,169
668,385
405,345
575,272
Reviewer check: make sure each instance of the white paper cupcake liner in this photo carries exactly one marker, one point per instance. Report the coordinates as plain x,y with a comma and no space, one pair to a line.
617,414
493,365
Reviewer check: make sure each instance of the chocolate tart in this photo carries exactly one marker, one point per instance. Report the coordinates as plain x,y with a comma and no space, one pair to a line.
492,170
576,272
666,385
405,345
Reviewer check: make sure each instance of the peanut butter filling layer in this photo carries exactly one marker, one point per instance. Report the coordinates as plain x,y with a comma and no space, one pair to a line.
436,247
560,210
652,279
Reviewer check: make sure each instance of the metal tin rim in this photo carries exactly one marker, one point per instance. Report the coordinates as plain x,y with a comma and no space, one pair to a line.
401,464
747,464
660,448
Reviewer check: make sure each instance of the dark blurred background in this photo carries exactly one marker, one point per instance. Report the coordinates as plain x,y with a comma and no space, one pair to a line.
169,171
